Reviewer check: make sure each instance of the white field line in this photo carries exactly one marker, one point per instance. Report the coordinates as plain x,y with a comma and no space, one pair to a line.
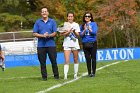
73,80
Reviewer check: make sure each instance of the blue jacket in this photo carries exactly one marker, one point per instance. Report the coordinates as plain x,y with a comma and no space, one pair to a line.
41,27
89,36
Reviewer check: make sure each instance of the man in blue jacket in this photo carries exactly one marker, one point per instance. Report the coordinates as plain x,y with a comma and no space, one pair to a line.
45,30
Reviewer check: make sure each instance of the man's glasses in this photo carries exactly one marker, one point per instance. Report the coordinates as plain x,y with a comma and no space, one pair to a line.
44,11
88,16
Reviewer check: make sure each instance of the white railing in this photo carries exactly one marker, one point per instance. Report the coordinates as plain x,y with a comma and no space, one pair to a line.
15,36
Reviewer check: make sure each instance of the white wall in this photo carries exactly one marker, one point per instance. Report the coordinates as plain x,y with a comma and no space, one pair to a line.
21,47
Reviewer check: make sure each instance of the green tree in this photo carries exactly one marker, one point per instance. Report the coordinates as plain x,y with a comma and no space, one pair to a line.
11,22
15,10
119,17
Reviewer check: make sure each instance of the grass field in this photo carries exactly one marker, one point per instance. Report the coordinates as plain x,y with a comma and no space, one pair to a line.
123,77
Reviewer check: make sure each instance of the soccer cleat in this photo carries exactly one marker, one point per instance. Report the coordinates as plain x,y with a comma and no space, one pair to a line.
75,76
3,67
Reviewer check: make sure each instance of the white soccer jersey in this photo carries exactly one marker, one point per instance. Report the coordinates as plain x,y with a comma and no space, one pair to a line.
67,40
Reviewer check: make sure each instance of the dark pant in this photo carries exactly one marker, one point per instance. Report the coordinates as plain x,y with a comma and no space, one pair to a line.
90,55
42,56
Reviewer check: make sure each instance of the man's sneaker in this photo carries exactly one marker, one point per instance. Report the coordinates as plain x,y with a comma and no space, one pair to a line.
44,78
56,77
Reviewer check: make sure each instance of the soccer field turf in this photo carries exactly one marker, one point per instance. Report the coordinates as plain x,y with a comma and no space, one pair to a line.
123,77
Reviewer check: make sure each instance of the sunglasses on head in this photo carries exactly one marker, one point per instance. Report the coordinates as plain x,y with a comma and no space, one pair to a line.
88,16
